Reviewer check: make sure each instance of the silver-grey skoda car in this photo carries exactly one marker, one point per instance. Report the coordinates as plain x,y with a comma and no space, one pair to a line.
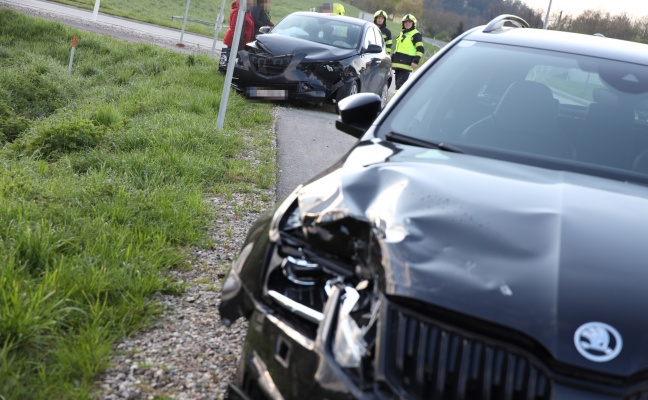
485,238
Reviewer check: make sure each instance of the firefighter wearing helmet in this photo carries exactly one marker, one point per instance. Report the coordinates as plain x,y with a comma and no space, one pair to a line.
408,51
338,9
380,19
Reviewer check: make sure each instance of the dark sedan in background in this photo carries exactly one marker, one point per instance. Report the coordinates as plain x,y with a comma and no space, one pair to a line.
485,239
314,58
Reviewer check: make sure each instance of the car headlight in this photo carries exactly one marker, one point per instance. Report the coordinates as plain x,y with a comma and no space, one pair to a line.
280,216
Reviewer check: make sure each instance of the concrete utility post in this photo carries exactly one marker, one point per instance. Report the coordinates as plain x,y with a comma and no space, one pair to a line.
230,64
218,26
96,10
547,16
184,24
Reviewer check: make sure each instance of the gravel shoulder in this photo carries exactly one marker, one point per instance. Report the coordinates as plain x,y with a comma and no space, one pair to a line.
186,353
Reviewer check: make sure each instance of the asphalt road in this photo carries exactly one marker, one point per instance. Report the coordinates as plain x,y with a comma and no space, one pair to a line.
307,139
307,143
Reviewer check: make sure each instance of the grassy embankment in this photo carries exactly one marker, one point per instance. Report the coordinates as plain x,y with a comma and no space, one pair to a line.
103,179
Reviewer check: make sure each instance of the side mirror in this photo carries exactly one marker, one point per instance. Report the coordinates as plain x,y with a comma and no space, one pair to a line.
357,113
265,29
373,49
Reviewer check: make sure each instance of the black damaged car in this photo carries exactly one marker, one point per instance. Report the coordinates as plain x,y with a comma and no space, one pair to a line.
314,58
486,237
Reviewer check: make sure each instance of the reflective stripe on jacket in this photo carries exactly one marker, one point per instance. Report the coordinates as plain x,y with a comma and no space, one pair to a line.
409,49
386,34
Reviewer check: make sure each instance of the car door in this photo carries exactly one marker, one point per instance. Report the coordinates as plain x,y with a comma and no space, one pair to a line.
384,64
377,64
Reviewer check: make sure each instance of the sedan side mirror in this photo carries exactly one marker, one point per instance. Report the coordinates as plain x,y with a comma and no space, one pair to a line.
373,48
265,29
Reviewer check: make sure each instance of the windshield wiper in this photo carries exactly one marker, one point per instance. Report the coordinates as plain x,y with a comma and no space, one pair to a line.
404,139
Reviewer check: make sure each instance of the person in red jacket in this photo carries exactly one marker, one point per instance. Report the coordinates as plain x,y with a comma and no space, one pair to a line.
247,34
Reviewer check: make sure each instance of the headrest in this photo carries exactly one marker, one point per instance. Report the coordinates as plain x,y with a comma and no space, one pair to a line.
528,103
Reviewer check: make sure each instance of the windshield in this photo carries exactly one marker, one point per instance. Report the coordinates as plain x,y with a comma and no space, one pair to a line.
320,30
534,104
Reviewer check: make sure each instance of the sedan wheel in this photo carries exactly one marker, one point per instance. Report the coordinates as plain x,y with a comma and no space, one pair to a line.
347,90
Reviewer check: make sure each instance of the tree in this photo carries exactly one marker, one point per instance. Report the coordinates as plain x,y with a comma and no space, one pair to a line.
617,26
641,29
414,7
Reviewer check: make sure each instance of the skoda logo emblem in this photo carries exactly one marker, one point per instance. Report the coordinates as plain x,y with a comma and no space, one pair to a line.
597,341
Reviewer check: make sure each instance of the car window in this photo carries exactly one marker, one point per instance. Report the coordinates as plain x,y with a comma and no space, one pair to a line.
530,103
320,30
379,37
371,38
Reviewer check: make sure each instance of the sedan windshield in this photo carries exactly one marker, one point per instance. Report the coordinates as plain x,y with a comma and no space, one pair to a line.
532,105
320,30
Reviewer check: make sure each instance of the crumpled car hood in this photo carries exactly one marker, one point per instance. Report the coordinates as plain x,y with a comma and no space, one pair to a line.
280,45
535,250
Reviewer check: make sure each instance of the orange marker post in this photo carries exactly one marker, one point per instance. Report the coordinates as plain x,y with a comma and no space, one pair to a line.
74,43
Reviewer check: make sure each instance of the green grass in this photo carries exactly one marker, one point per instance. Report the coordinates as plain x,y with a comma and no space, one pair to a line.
103,177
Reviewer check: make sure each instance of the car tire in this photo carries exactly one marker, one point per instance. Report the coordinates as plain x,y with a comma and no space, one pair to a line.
347,90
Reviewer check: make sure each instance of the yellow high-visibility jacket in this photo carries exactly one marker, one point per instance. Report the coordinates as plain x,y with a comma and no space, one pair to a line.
409,49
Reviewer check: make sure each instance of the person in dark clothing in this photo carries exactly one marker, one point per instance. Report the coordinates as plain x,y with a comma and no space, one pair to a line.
380,19
408,50
247,34
260,11
332,8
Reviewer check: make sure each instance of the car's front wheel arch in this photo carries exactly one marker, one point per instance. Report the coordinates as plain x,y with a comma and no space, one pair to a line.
349,88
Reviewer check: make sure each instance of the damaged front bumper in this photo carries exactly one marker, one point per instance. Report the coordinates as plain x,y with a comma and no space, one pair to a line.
280,362
286,78
312,311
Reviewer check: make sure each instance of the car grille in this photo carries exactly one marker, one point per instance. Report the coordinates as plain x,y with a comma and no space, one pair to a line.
268,65
428,360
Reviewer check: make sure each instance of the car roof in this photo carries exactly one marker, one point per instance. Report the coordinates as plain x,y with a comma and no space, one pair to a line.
336,17
568,42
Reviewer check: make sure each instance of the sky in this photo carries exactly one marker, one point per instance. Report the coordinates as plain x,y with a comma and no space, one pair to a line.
634,8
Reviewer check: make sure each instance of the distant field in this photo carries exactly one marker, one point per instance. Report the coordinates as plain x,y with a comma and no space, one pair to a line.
160,12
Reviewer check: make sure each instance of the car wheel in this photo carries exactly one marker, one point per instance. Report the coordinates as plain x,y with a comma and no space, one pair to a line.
347,90
384,96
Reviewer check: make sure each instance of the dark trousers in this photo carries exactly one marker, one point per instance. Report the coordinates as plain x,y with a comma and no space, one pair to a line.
401,76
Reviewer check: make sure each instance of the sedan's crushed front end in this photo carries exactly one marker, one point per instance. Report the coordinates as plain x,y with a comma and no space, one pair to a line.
292,77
